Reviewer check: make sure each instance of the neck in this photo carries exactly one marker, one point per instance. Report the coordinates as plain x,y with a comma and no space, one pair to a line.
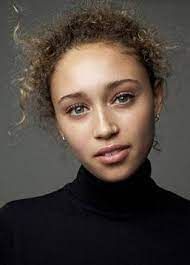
122,196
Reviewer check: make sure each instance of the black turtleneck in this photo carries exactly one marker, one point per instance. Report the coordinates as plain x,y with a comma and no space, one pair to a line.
114,199
90,221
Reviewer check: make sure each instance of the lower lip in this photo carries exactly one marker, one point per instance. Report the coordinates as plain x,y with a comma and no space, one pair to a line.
117,157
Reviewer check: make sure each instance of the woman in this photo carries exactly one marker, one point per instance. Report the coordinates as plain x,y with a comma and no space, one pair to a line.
97,79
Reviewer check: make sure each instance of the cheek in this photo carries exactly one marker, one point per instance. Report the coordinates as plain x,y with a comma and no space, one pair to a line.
79,150
79,145
142,127
76,139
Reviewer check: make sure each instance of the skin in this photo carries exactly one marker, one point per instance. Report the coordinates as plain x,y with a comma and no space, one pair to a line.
103,119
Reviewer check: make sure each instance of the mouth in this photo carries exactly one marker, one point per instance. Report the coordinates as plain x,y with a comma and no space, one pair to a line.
114,156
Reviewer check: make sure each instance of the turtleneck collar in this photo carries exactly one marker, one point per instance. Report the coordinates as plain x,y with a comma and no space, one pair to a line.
120,197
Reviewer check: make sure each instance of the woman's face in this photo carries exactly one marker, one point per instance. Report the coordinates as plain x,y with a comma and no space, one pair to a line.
104,117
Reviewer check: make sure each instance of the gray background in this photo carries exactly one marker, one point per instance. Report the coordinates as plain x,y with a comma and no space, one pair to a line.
31,164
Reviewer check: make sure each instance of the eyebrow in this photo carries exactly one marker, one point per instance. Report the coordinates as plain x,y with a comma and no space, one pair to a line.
109,86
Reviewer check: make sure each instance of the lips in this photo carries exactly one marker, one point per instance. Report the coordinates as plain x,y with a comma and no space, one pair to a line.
115,157
110,148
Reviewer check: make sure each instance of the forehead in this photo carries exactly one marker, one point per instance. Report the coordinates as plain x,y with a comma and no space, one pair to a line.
96,63
98,53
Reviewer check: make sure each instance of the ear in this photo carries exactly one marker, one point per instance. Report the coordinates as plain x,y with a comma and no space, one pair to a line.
59,128
158,94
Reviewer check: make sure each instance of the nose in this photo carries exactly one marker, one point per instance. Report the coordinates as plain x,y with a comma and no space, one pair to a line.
104,125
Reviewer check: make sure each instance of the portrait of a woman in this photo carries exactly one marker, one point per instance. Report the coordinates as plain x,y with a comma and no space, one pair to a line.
97,78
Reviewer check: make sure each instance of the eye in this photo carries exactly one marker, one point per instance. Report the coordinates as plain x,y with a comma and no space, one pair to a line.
125,95
77,107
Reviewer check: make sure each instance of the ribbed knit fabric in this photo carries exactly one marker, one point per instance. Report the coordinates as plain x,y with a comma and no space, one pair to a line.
94,222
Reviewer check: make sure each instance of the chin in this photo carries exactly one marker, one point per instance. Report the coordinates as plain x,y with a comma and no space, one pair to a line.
115,174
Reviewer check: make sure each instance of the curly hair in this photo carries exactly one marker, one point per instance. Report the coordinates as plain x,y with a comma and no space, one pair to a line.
100,22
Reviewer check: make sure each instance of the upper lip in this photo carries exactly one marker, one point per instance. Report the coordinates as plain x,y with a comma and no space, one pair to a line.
110,148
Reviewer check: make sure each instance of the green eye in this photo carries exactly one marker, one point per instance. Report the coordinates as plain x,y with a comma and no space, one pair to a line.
125,95
77,107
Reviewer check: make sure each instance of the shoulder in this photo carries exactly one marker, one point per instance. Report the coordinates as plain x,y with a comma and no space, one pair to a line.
22,216
173,202
173,197
38,205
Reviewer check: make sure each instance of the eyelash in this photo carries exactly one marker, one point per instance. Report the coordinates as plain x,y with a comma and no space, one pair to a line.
72,107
